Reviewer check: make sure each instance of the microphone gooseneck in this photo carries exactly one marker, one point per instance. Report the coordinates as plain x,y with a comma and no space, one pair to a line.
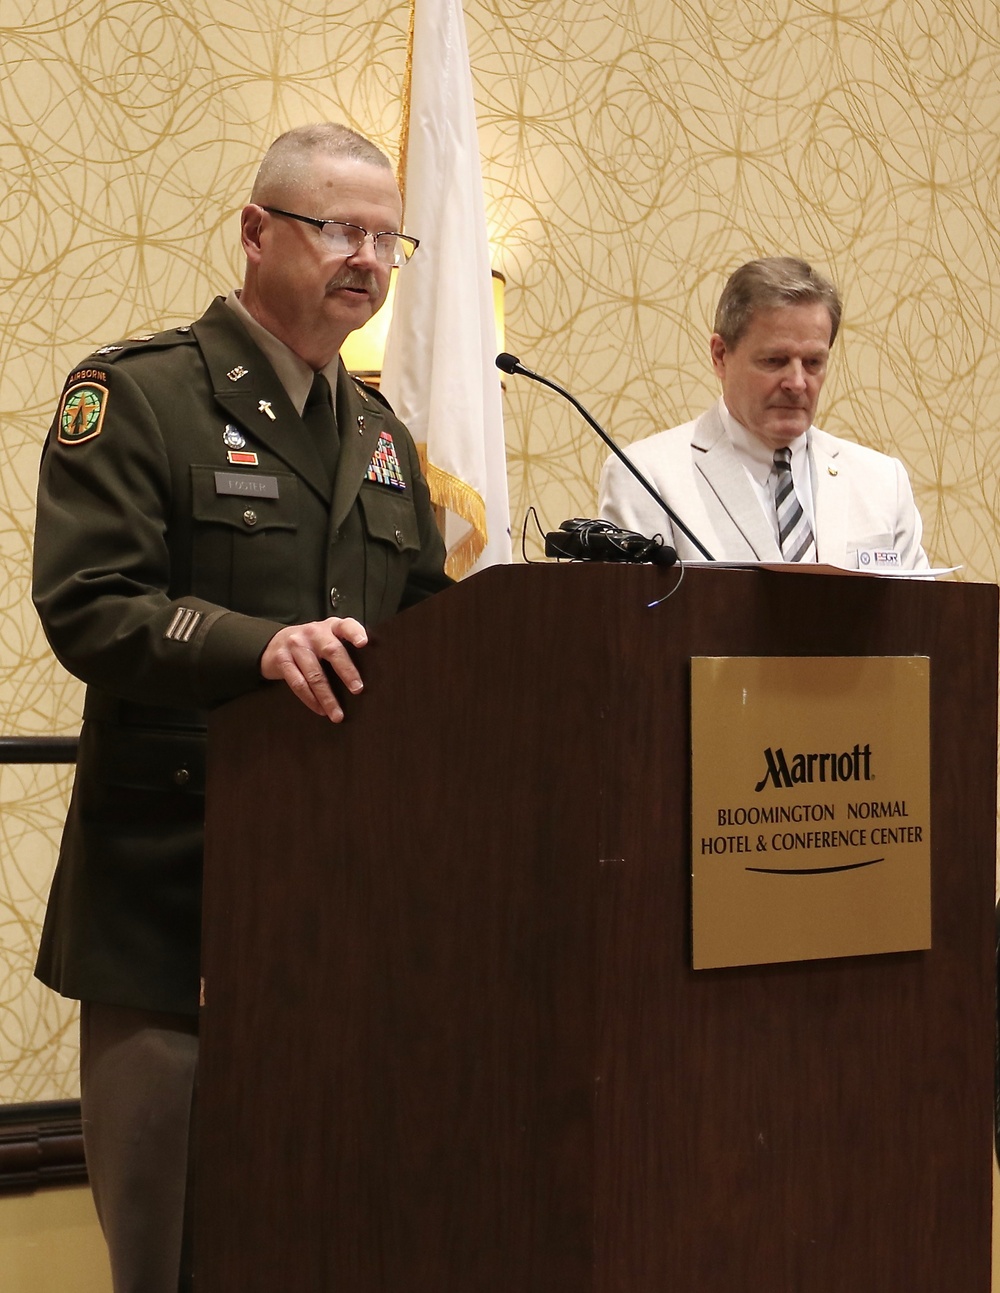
511,364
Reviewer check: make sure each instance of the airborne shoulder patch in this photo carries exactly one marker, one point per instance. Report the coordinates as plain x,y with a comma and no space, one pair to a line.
81,412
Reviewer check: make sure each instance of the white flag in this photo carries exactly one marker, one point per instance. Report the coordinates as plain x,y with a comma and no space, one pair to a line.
439,372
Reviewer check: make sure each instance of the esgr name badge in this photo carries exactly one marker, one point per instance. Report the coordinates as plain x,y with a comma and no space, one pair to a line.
879,559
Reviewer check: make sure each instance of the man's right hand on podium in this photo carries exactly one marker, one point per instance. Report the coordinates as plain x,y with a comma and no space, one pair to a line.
299,653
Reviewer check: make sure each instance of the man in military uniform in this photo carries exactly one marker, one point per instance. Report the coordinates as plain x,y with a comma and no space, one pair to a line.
219,505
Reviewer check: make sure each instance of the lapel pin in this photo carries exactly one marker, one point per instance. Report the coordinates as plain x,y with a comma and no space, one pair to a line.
232,437
265,407
236,373
832,471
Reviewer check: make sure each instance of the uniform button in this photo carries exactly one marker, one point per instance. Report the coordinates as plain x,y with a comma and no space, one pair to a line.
399,537
181,777
249,517
334,598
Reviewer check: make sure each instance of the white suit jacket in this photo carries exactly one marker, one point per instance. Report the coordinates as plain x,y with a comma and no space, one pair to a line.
862,499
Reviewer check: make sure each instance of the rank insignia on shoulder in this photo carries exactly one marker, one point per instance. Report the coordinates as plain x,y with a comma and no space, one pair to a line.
142,336
384,468
369,393
109,350
81,413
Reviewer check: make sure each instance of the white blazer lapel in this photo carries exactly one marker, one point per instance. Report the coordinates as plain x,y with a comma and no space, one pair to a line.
831,492
717,461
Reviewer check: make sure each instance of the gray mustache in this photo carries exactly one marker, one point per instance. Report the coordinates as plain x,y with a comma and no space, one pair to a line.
353,278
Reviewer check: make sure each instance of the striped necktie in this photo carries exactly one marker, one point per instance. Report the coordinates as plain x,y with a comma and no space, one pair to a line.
794,531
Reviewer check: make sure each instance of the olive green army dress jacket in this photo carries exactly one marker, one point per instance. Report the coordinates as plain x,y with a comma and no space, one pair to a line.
184,516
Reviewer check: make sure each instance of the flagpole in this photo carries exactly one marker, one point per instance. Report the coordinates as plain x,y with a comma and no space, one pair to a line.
404,127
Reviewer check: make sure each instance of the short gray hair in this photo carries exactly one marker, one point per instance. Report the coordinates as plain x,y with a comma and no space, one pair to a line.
286,161
768,284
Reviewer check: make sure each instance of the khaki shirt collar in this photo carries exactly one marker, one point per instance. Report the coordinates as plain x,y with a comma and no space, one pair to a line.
293,373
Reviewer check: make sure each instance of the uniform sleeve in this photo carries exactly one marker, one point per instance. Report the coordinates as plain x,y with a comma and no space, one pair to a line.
104,584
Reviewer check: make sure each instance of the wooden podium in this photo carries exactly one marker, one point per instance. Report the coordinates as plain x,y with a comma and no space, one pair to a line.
452,1040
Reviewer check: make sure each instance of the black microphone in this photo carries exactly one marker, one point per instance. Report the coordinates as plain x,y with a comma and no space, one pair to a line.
511,364
508,364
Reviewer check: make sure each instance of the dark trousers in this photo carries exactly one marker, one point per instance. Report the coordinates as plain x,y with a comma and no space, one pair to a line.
137,1072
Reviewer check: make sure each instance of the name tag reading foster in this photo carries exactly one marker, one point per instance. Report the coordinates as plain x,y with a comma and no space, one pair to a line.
227,482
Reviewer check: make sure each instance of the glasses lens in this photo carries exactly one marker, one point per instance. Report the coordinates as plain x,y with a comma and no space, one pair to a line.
344,239
391,249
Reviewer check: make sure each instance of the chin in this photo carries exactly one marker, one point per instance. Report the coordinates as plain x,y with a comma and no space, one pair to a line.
791,431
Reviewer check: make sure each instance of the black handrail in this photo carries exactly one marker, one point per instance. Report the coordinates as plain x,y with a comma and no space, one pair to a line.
38,749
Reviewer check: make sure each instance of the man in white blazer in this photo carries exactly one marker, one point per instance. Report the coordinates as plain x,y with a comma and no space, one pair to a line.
726,474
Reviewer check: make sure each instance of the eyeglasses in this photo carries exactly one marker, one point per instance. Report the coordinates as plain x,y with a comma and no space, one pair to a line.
392,249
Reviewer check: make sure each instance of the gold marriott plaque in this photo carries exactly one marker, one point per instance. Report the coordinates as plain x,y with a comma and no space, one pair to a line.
810,807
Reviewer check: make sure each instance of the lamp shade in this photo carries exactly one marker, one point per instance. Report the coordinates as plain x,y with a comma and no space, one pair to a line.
364,349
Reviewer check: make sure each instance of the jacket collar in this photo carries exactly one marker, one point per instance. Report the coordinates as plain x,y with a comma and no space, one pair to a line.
360,421
830,497
248,389
719,464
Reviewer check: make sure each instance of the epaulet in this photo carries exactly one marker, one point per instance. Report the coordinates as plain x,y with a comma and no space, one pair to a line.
371,392
86,391
143,341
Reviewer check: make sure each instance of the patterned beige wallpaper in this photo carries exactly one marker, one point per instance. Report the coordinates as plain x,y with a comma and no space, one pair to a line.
634,154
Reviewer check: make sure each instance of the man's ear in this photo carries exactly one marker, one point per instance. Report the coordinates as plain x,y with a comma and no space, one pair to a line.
717,349
251,225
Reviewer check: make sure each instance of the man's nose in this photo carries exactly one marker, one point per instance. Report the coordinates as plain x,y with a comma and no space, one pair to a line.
795,376
365,255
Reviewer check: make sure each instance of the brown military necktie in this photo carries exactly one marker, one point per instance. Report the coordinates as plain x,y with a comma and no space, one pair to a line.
321,423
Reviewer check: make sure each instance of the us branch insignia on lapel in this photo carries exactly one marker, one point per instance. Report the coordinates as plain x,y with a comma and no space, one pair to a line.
81,413
384,467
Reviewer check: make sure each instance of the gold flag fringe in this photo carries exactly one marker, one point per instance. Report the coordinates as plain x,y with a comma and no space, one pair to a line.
450,492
